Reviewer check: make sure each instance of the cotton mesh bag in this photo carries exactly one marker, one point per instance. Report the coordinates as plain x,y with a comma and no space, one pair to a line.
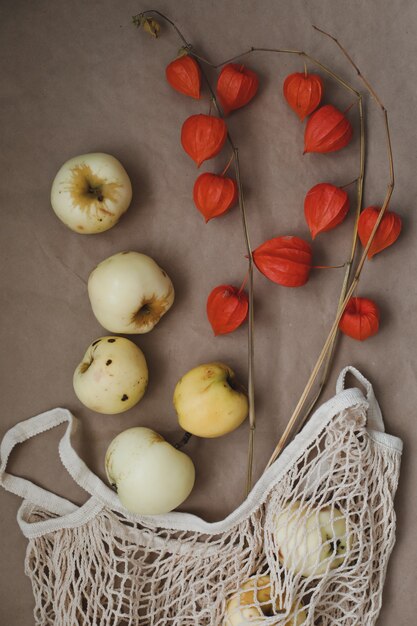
310,544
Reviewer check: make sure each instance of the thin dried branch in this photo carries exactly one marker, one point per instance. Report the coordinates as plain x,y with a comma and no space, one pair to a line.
362,260
251,367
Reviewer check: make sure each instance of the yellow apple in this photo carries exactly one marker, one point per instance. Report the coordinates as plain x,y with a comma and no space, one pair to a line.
91,192
150,476
311,541
252,605
112,376
208,401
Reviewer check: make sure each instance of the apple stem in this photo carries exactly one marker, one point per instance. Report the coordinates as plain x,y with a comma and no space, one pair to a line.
96,192
183,442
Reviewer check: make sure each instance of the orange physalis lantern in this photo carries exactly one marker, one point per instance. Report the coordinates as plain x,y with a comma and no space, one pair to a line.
303,92
286,261
214,195
203,136
325,207
387,233
236,86
327,130
184,75
360,319
227,308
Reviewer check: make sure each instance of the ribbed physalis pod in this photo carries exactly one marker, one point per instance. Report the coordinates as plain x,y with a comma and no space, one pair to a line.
214,194
360,319
325,207
227,308
327,130
184,75
236,86
203,136
303,92
284,260
387,233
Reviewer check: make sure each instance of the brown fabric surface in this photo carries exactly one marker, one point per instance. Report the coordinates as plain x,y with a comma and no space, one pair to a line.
76,77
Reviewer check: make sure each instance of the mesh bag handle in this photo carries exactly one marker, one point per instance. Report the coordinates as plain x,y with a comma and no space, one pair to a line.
375,420
23,431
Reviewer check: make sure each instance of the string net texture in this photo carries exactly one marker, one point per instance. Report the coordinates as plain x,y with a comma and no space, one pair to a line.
310,545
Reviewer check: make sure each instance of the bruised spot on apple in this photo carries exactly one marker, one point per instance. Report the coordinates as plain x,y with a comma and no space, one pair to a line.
129,293
209,402
91,192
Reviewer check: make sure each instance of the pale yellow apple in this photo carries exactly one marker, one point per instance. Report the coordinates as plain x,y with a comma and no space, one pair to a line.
208,401
129,293
252,605
150,476
91,192
311,541
112,376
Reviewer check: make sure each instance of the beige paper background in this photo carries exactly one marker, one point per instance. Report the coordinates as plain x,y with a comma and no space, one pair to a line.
76,77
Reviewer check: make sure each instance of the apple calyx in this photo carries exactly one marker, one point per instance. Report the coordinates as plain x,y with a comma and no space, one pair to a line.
89,191
151,310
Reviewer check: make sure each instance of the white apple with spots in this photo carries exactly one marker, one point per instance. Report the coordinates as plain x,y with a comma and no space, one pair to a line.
209,402
150,476
91,192
129,293
112,376
312,540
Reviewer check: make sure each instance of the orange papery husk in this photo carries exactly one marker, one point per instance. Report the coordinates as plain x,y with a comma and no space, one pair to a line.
214,194
360,319
236,86
203,137
387,233
303,92
286,260
184,75
325,207
327,130
227,308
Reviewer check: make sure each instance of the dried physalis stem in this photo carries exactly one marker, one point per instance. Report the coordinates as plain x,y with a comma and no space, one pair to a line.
227,308
184,75
203,137
286,261
214,195
388,230
325,207
148,24
360,319
236,86
327,130
303,92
